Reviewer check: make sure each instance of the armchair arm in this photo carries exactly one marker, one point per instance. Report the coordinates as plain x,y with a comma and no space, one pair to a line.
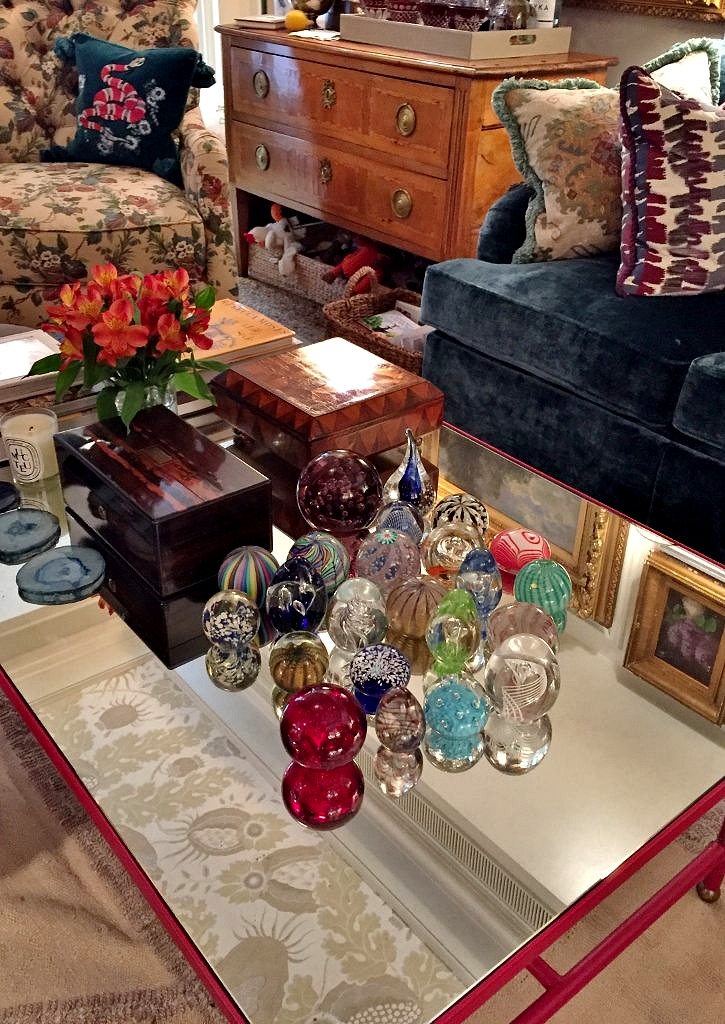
504,226
205,174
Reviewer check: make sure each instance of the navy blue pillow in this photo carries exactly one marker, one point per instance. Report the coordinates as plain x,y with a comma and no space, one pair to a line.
129,103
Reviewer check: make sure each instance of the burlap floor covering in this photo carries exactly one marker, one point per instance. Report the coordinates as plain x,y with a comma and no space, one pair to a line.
79,945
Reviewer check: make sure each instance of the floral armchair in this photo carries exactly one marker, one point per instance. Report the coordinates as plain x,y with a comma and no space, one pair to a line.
57,219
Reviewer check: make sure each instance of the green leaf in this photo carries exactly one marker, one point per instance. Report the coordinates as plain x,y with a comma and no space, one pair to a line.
210,364
205,298
133,400
65,378
106,404
48,364
193,384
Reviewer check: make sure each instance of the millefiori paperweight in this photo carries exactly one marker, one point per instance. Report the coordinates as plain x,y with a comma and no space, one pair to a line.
387,557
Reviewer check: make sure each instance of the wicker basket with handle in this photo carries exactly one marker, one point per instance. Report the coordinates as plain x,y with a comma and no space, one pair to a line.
344,315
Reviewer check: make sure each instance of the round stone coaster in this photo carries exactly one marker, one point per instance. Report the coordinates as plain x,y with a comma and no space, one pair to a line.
61,576
25,532
9,497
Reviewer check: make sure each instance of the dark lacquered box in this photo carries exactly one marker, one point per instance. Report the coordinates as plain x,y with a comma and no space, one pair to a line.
164,505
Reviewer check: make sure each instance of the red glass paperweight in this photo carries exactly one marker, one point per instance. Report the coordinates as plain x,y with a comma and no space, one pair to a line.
322,799
323,727
339,491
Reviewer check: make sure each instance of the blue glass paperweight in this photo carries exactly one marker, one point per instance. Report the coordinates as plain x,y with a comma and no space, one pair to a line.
375,670
230,617
410,482
296,598
455,711
403,517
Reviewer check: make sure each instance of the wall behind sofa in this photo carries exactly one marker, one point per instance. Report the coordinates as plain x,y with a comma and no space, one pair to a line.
632,38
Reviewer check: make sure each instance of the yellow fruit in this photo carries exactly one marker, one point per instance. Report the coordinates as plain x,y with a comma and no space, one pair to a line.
295,21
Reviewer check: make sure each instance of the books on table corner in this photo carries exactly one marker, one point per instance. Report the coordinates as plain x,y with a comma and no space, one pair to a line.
240,332
20,347
274,21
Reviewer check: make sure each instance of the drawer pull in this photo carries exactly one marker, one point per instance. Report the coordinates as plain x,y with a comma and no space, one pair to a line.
402,203
325,172
260,81
261,156
329,94
405,119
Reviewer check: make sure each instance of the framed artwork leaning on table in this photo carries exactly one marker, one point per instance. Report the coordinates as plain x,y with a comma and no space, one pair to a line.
677,641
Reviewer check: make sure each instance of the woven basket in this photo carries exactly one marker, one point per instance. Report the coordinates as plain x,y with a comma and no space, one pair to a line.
305,279
343,318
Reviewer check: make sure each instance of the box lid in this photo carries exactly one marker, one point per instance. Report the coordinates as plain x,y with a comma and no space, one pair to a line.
326,392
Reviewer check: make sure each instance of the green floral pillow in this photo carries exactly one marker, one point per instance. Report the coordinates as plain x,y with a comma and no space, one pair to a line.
129,103
566,144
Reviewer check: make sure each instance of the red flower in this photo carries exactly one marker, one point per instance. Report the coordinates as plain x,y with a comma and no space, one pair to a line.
171,338
195,327
116,334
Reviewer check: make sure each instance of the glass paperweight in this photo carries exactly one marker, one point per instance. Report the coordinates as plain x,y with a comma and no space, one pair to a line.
521,617
399,721
513,549
340,492
403,517
387,557
327,556
446,546
414,648
374,671
298,660
233,668
296,598
323,727
356,617
455,711
230,617
479,575
516,748
461,508
250,569
323,799
279,699
522,678
410,482
546,583
454,632
397,774
411,605
338,669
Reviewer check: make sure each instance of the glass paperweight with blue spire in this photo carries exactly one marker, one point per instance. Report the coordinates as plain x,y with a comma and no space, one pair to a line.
410,482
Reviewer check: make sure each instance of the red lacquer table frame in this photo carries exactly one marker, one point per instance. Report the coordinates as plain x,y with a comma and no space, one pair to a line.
706,871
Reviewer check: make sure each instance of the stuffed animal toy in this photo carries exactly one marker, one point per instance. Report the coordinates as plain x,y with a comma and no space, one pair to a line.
278,234
365,254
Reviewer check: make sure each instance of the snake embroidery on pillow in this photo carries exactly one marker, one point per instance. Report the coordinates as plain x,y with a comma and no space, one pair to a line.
129,103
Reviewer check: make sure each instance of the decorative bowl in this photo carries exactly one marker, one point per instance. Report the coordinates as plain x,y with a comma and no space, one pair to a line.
403,10
436,13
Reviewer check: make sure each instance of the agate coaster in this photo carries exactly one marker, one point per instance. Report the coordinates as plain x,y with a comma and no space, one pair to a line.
9,497
61,576
25,532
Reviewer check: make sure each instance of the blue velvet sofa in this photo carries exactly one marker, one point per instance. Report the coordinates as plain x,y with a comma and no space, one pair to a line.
621,398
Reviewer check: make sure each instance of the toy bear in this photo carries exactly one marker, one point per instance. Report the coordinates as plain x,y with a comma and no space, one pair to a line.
278,234
365,254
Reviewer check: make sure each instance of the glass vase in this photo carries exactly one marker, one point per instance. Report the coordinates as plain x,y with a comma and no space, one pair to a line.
154,394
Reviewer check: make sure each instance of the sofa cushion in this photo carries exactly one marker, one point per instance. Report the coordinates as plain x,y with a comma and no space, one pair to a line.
504,227
700,411
563,322
129,103
58,219
673,191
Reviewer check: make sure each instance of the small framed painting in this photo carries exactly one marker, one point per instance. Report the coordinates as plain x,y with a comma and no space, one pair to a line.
677,641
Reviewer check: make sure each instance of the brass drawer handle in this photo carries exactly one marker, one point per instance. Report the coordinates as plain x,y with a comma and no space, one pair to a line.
261,156
329,94
402,203
325,172
260,82
405,119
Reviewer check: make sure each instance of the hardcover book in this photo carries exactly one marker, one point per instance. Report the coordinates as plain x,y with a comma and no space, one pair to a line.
239,332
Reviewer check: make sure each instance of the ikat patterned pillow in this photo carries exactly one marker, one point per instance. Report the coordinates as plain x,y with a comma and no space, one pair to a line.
129,103
673,191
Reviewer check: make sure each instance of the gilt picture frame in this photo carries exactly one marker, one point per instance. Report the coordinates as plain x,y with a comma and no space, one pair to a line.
588,540
677,640
690,10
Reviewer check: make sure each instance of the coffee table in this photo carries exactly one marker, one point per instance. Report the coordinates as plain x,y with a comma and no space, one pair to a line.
418,909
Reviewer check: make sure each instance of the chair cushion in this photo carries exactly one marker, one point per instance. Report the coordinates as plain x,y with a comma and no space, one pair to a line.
56,220
562,321
700,411
129,103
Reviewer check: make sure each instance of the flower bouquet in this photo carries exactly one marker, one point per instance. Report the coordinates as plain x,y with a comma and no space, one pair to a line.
132,338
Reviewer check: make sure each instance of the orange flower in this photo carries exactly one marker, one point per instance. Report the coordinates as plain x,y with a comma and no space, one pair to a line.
171,338
124,287
78,307
116,335
103,274
177,282
195,327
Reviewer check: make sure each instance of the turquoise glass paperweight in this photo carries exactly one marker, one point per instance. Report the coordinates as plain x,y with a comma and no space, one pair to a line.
546,583
455,711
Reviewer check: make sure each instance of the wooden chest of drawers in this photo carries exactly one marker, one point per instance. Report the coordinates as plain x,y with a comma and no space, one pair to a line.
398,146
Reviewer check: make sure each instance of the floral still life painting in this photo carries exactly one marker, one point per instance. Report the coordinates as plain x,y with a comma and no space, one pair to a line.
132,339
689,636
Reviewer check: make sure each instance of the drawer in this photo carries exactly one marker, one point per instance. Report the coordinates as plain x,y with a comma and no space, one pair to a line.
487,113
379,198
392,116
